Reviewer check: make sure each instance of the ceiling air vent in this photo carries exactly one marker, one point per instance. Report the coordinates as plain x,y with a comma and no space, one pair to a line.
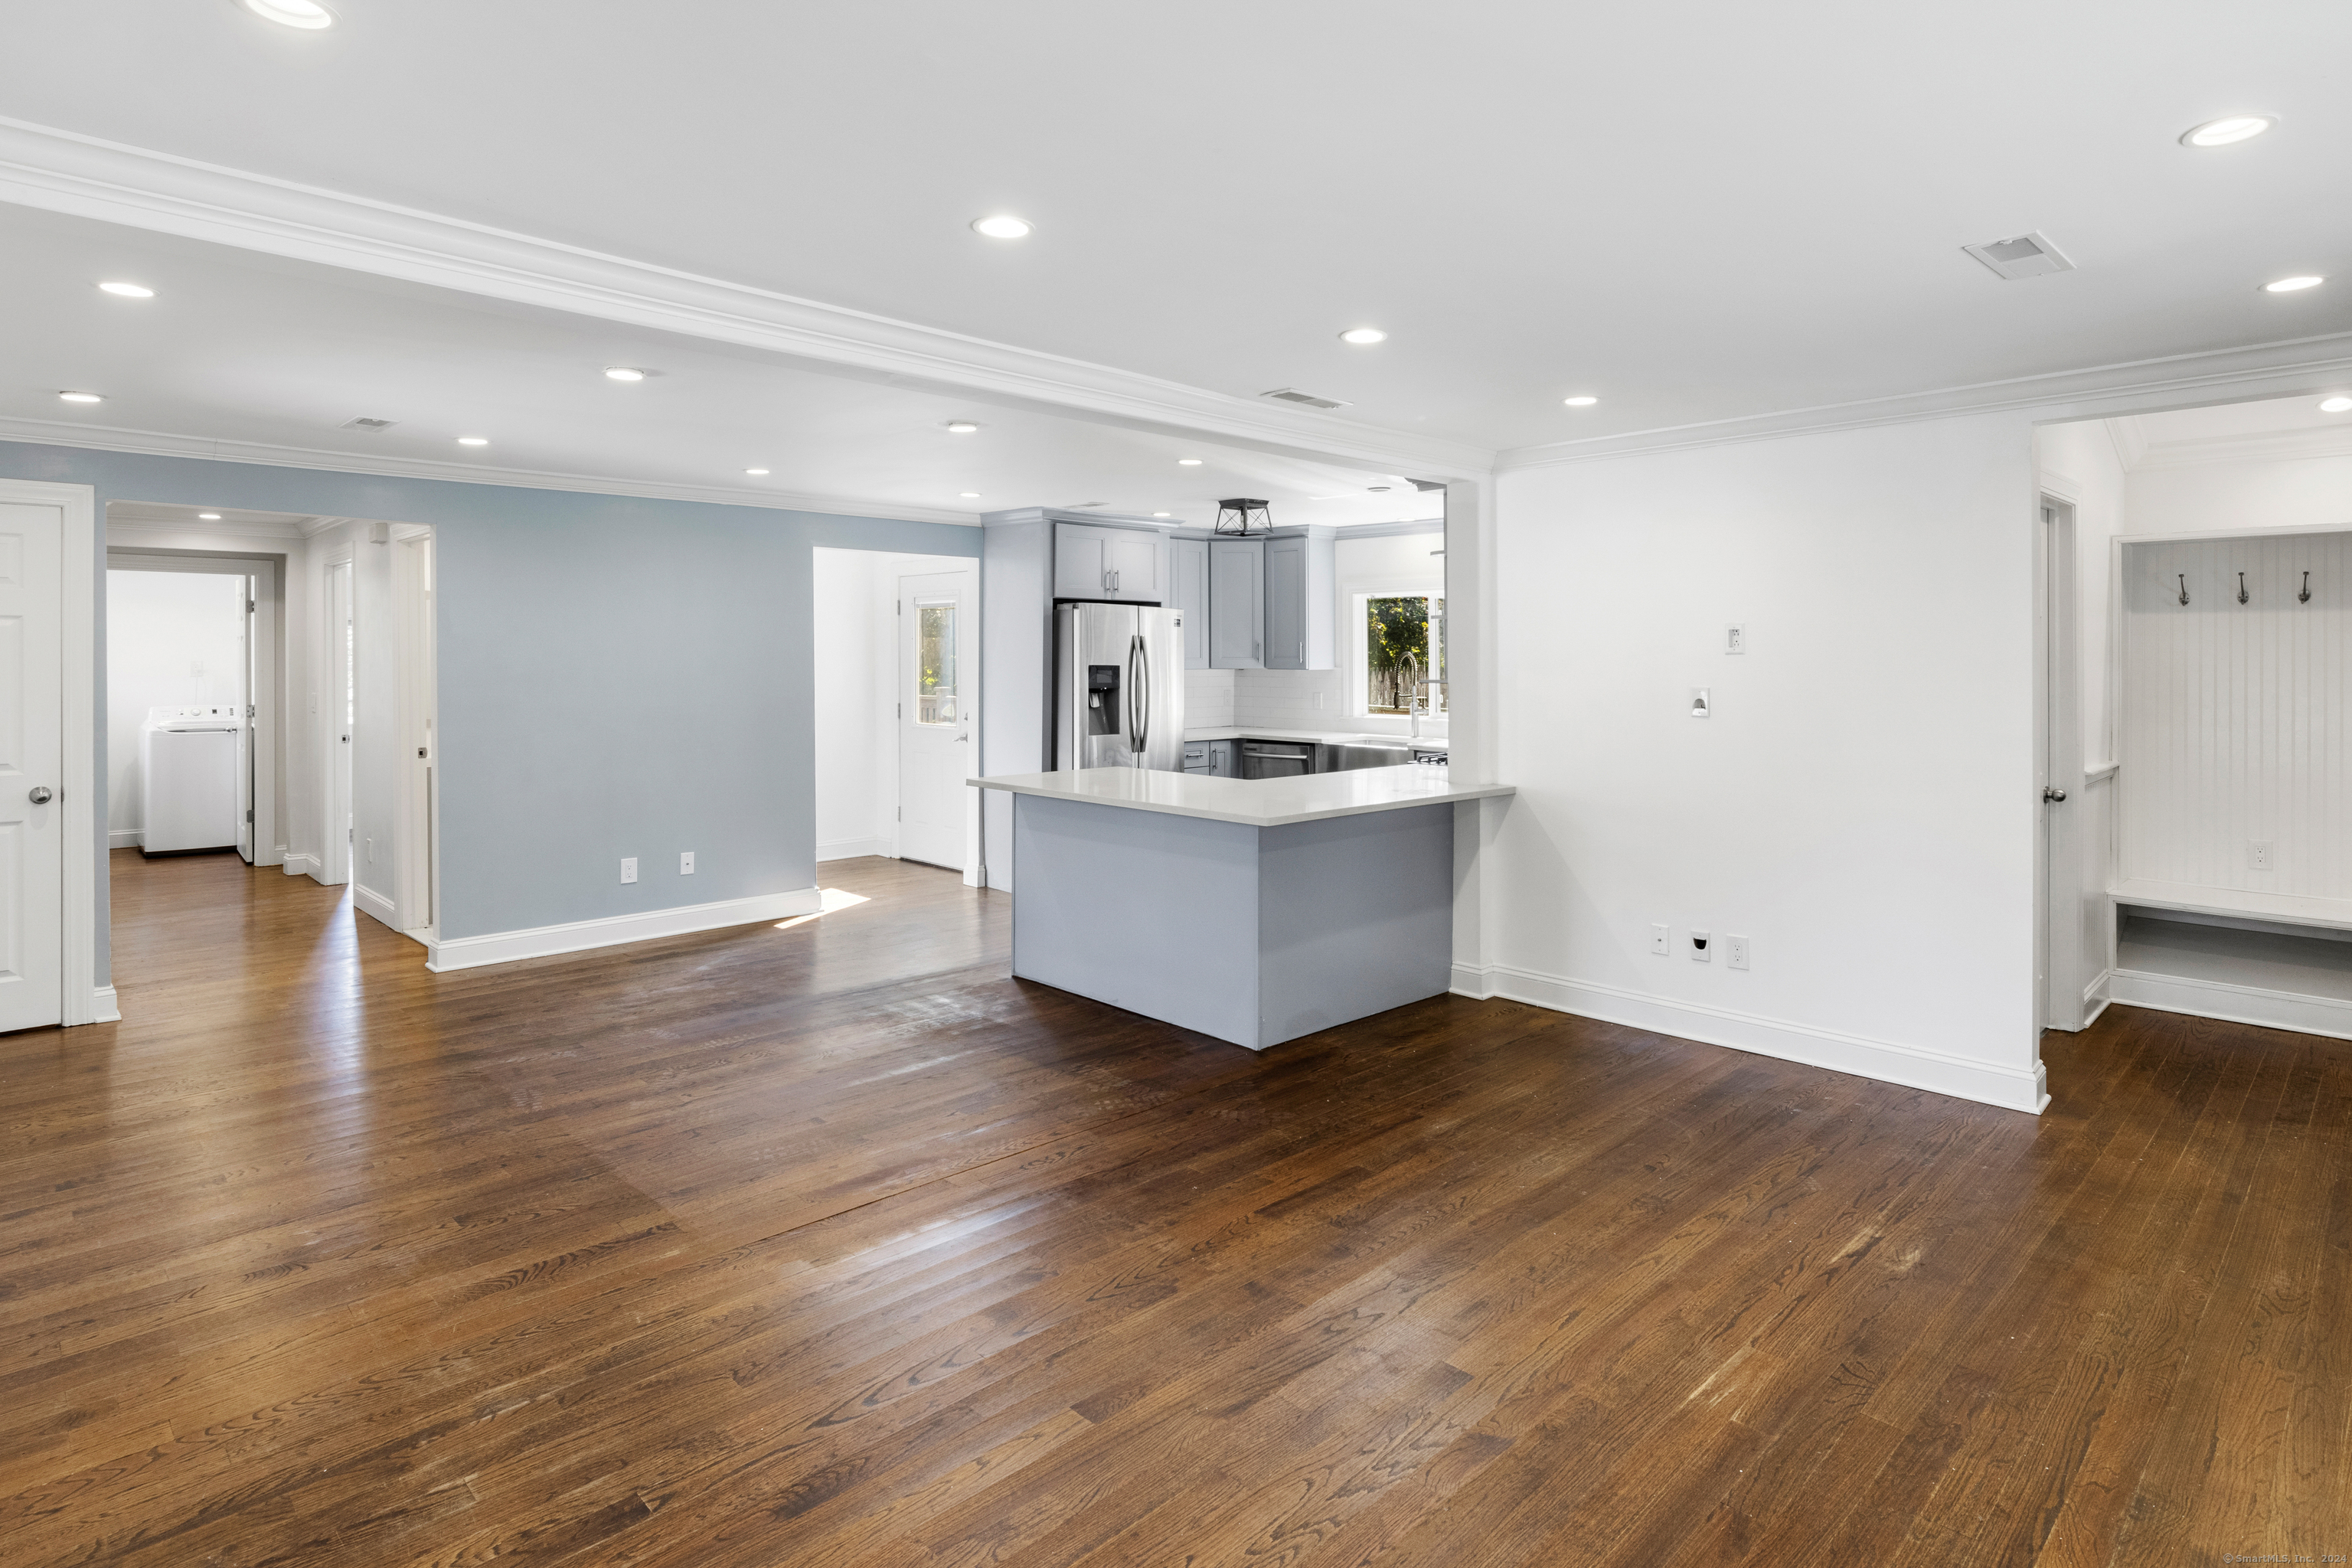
364,423
2027,255
1292,394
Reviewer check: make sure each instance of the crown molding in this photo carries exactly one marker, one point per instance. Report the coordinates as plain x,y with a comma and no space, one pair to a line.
2130,442
59,171
158,443
2258,446
2138,386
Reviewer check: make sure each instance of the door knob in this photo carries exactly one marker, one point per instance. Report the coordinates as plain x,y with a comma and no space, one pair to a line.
41,794
2054,795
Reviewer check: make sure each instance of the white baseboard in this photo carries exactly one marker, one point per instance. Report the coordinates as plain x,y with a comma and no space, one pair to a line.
122,837
303,866
368,901
2095,999
1916,1066
105,1007
852,849
2232,1004
578,936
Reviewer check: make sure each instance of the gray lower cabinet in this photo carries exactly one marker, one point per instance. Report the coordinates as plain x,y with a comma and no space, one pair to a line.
1236,604
1224,759
1197,758
1187,590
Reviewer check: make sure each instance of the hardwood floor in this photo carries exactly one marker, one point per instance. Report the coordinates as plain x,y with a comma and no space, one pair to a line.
832,1245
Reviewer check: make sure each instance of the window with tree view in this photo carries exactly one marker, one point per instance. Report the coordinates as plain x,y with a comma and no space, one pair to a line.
1405,652
935,661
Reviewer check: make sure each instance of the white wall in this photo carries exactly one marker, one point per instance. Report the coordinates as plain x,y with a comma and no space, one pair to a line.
2300,492
172,638
1861,805
856,782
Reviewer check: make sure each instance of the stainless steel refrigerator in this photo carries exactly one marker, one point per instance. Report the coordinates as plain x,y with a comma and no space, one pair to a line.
1118,687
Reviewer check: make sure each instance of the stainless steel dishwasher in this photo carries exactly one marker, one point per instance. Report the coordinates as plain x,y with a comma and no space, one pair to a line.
1276,759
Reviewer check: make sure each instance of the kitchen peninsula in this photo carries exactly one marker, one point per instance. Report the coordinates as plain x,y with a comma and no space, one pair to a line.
1254,910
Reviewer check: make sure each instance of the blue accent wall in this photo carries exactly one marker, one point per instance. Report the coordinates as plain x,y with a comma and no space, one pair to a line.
617,677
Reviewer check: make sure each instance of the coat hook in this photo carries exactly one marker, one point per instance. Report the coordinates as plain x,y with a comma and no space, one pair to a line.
2241,587
2305,597
2184,588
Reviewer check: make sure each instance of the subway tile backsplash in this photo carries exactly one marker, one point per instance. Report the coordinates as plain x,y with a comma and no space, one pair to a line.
1209,699
1293,700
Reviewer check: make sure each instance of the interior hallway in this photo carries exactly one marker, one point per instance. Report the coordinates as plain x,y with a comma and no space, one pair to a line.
833,1244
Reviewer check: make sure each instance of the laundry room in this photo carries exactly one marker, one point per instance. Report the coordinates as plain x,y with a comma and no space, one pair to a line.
179,677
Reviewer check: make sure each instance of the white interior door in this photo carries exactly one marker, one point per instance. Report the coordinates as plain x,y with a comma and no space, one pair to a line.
31,755
342,713
936,693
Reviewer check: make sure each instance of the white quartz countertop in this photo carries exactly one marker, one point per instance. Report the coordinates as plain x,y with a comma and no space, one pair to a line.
1337,738
1255,803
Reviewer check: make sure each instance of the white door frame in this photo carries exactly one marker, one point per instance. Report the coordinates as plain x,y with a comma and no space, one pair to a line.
269,626
2058,751
335,854
84,1000
967,640
415,846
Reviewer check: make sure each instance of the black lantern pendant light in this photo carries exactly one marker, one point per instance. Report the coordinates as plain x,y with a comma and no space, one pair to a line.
1243,517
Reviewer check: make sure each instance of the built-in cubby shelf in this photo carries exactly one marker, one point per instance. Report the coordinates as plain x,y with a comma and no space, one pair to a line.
2286,909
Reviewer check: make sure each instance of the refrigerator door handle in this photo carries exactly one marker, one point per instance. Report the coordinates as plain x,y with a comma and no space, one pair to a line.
1138,702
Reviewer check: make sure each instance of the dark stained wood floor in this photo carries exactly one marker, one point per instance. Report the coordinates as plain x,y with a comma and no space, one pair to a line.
831,1245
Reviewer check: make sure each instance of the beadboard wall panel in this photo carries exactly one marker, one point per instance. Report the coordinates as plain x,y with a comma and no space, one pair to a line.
2234,715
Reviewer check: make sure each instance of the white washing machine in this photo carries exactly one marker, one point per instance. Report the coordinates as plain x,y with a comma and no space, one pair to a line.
188,759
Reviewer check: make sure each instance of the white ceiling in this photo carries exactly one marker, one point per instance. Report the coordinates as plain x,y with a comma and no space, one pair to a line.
1697,211
237,347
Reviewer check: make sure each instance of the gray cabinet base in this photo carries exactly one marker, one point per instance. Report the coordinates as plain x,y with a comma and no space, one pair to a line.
1255,935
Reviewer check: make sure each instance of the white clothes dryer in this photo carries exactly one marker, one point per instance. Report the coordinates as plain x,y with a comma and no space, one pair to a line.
188,759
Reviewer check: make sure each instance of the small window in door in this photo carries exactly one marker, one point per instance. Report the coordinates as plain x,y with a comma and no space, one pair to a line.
935,658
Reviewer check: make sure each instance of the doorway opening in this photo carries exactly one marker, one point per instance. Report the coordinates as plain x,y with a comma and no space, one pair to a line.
896,698
2197,618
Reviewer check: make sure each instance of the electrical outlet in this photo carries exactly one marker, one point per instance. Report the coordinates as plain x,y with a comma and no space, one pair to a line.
2258,855
685,862
1701,703
1702,948
1659,941
1735,638
629,870
1735,953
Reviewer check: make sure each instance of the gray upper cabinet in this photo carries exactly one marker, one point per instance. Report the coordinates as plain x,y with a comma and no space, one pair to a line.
1299,583
1236,604
1091,563
1187,590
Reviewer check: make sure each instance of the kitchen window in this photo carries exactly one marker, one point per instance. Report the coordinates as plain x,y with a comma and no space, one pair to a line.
1403,651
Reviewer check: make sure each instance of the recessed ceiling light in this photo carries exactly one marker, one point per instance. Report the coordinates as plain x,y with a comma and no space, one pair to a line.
473,440
2337,405
1004,225
80,397
1580,400
2228,129
623,372
961,427
968,495
1163,514
1363,335
2294,285
1187,462
757,473
129,291
207,517
293,13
